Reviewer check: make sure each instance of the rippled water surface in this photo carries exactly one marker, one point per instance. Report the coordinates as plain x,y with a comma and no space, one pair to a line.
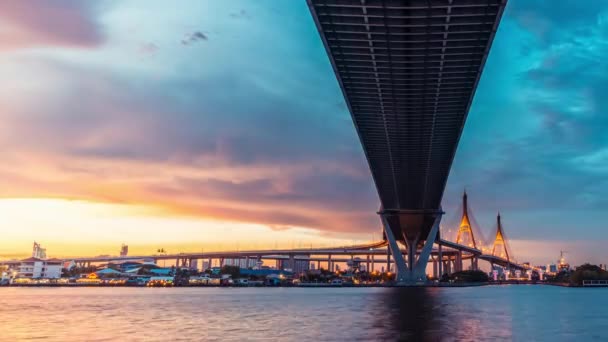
491,313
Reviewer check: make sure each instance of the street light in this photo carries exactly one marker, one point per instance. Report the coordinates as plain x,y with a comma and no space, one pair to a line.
161,252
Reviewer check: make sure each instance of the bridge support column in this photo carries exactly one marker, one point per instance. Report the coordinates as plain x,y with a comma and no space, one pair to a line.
435,269
458,265
395,251
414,270
440,256
292,263
448,266
388,259
474,264
373,264
329,265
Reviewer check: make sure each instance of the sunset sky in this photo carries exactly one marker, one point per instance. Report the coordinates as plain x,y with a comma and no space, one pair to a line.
212,125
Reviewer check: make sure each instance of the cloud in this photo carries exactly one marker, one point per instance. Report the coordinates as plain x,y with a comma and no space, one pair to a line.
159,142
148,49
194,37
242,14
68,23
548,20
279,228
537,152
249,134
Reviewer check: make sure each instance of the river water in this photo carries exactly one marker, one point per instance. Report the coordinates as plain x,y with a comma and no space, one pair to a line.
489,313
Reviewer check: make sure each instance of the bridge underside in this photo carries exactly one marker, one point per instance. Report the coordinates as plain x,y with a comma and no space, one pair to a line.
408,71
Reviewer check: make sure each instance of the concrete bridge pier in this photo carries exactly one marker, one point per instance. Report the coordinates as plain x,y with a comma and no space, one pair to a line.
373,264
447,267
411,224
458,265
440,259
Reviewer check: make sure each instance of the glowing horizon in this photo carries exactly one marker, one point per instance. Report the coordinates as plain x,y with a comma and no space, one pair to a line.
106,230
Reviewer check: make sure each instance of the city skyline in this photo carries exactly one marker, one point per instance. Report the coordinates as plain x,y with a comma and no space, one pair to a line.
222,130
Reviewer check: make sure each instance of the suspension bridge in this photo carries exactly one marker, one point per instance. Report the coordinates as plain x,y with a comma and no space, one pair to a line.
448,256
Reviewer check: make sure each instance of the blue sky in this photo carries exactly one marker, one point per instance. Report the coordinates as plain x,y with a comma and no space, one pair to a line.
229,111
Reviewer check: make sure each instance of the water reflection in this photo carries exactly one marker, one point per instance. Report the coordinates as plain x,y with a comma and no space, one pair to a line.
410,314
521,313
436,314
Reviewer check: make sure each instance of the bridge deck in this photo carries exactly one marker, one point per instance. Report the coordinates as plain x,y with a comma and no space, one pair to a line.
408,71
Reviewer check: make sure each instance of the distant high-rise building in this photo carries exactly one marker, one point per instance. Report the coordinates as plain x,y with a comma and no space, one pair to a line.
258,265
124,250
193,264
300,266
242,262
562,264
38,252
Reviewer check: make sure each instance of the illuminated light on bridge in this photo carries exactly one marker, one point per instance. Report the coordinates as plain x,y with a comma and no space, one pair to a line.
500,247
408,71
465,231
496,252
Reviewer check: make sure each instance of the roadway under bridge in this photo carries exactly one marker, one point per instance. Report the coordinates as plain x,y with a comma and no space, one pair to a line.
408,71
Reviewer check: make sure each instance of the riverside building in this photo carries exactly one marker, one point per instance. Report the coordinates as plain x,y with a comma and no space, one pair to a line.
35,268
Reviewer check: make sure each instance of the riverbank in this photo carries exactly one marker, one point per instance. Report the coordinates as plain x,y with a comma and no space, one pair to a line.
301,285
